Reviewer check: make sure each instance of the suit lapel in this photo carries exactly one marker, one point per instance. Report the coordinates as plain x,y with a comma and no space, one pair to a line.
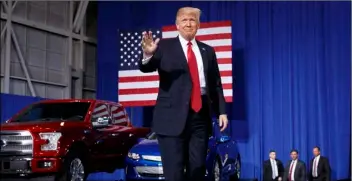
203,52
181,55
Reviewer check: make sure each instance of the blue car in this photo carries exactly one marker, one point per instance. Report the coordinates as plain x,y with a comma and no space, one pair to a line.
223,162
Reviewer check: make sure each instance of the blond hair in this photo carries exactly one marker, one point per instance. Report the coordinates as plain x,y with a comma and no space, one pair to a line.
189,10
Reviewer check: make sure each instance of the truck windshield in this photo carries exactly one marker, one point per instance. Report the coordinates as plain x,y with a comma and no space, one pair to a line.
63,111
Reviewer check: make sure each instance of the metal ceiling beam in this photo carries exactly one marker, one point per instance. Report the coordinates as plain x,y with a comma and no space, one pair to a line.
23,64
3,32
81,12
8,47
48,28
4,4
68,69
14,5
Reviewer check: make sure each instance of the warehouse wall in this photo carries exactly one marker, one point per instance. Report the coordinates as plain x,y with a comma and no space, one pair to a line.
48,53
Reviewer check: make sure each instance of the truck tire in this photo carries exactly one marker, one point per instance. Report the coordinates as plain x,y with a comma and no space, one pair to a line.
74,167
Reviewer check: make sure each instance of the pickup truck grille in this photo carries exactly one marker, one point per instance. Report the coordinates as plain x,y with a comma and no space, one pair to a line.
16,142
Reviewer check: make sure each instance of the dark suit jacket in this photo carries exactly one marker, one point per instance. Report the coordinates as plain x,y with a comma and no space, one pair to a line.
268,172
323,169
300,171
175,85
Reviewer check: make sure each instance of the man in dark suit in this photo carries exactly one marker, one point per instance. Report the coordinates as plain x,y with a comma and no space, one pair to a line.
273,169
189,86
319,167
295,169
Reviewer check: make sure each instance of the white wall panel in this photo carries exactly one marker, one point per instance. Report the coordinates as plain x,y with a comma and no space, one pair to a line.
43,30
18,87
52,13
89,66
40,89
44,53
2,49
53,92
89,94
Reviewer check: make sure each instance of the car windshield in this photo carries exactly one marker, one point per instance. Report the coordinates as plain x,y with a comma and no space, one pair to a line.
63,111
152,136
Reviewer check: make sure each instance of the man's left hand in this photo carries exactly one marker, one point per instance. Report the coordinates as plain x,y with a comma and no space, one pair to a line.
223,121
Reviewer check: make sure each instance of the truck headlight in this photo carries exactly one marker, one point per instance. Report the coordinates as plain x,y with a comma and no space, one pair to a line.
52,139
134,156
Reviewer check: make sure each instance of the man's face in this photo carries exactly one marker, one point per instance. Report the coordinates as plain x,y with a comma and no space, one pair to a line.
294,155
272,155
187,24
316,152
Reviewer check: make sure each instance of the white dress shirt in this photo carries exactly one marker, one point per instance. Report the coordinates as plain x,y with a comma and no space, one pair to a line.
315,163
274,168
293,164
199,59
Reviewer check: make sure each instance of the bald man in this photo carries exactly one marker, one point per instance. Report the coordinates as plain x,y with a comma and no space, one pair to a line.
189,86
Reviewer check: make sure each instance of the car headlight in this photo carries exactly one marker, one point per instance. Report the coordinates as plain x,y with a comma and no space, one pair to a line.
152,158
52,140
134,156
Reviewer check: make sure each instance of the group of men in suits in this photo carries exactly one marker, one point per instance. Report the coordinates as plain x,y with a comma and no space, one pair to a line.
295,169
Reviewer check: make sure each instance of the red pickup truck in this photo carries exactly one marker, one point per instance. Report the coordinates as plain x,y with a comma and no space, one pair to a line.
66,140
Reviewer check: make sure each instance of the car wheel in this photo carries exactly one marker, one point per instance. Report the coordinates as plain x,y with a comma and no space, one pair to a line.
77,170
237,176
74,168
238,167
217,171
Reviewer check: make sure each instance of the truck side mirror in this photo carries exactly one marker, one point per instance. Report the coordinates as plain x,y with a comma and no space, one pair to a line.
101,122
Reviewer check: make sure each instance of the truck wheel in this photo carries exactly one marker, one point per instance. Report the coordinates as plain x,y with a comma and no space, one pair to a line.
75,168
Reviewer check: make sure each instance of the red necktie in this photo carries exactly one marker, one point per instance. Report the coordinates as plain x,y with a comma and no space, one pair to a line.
196,100
290,172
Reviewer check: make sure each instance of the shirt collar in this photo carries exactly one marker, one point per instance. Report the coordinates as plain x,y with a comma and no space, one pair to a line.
184,41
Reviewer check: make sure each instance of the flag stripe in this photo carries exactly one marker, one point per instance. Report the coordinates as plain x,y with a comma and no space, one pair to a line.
223,48
132,73
153,96
156,77
156,89
152,102
151,84
214,37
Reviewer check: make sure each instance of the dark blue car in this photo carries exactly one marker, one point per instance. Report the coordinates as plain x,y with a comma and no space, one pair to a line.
223,159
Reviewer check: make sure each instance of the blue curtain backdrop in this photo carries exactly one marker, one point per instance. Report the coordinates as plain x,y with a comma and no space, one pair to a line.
291,68
11,104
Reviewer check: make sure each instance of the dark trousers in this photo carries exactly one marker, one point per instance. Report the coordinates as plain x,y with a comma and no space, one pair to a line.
187,150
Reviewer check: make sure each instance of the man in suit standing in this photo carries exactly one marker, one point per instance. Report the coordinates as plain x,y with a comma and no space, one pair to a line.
295,169
273,168
189,86
319,169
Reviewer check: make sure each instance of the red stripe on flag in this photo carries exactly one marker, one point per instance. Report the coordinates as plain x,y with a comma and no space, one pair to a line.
138,91
139,78
226,86
202,25
214,36
224,60
225,73
138,103
222,48
228,99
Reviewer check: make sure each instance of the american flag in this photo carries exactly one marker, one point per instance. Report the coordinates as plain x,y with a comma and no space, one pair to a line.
141,89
